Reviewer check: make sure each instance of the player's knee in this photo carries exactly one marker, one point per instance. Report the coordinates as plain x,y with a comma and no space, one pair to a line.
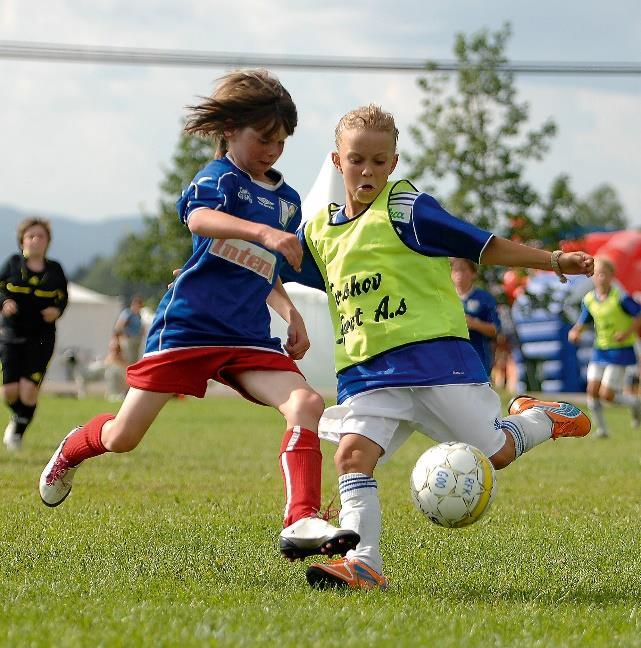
10,393
307,403
593,390
347,461
358,455
606,395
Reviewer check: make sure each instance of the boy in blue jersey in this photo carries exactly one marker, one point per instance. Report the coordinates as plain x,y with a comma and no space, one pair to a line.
403,357
480,308
213,323
616,318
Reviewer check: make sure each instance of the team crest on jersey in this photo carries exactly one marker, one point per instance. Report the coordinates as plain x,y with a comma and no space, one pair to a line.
265,202
400,213
243,194
287,211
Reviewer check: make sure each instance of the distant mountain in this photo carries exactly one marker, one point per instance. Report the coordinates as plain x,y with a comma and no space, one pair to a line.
74,243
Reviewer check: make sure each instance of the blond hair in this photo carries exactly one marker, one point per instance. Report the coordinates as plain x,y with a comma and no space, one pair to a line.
370,117
243,98
24,225
604,262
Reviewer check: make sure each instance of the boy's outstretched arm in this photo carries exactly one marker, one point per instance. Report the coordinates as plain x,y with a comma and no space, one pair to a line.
502,251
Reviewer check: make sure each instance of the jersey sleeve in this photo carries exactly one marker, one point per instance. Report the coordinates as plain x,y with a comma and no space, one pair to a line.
585,316
630,306
62,298
5,273
208,192
309,275
437,233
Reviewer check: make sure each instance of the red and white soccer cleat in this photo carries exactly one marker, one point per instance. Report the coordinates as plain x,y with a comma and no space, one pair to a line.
314,535
567,419
11,439
345,573
56,478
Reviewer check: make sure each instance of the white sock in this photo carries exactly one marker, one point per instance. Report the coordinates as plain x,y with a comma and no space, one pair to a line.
626,399
596,411
361,512
528,429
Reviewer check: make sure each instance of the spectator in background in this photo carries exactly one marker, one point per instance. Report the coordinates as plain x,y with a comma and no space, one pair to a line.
128,328
480,308
33,295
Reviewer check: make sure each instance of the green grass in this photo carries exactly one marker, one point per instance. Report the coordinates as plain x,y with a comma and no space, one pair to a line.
175,544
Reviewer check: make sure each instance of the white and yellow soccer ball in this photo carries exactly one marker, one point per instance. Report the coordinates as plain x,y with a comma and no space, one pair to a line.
453,484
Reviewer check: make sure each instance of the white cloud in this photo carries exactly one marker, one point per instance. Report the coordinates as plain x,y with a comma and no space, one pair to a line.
99,135
597,141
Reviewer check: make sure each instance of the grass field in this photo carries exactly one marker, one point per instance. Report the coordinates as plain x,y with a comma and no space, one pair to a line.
175,544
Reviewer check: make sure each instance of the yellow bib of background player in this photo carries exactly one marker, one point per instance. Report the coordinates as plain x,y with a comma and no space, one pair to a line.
382,294
609,318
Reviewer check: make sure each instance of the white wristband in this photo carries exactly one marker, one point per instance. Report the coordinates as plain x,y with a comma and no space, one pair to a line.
554,262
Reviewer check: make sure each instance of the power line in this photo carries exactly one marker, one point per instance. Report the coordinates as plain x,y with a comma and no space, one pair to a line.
57,52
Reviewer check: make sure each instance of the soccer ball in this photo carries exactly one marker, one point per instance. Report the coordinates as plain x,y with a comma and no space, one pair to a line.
453,484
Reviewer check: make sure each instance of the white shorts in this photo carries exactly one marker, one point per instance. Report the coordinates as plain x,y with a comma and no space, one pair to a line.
609,375
388,416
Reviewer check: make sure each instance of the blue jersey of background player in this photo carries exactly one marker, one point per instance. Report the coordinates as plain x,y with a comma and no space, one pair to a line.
429,230
480,310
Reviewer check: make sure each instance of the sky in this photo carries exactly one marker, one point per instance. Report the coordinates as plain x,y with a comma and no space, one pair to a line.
93,141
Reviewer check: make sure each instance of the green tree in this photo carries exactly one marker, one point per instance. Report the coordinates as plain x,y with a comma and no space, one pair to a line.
562,214
164,244
601,209
474,136
557,212
100,275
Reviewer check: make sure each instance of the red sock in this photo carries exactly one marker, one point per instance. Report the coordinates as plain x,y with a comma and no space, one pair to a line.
300,464
85,441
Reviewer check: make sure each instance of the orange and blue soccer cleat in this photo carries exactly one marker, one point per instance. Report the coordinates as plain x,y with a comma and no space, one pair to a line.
352,573
567,419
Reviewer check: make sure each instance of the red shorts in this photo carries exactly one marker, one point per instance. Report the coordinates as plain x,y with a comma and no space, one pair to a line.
186,371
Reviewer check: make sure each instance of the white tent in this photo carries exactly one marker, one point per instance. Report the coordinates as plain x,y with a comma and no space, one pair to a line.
85,328
318,363
327,188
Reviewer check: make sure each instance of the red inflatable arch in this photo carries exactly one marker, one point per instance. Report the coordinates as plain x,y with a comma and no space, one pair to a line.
623,248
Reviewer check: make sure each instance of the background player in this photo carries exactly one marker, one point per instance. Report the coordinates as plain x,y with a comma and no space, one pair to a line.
214,323
33,296
480,308
616,318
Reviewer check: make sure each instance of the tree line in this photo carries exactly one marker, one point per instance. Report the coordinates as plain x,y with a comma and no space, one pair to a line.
471,135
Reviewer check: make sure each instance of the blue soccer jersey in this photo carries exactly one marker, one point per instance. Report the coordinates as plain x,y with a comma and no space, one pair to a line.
219,297
480,304
431,231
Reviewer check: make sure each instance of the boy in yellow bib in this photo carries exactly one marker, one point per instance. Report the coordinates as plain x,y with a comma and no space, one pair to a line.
403,357
617,319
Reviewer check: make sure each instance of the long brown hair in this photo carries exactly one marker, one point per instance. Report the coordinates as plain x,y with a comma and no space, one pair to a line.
242,98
